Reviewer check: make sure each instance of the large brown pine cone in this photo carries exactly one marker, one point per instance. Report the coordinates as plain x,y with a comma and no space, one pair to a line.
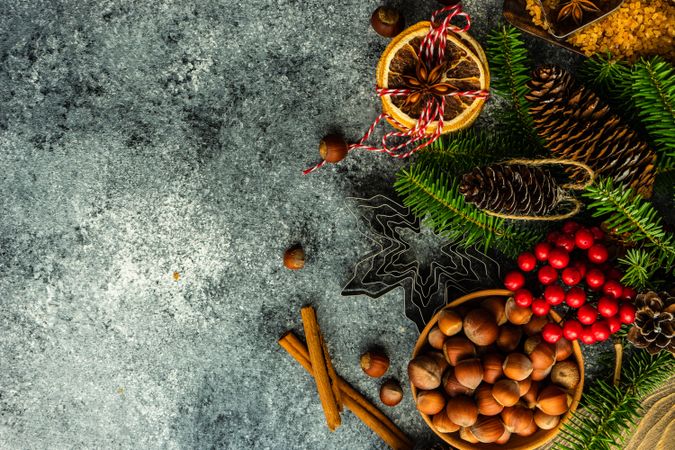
576,124
516,189
654,327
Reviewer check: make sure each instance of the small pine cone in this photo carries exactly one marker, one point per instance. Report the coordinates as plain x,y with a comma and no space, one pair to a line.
516,189
654,327
577,125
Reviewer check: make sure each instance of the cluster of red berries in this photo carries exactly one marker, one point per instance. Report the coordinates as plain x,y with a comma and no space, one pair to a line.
573,270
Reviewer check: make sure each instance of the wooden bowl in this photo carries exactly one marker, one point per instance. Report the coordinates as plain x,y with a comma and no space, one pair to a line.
532,442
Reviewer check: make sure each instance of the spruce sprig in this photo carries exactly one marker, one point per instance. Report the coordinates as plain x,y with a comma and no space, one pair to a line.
610,410
627,212
639,267
653,91
509,69
611,79
433,196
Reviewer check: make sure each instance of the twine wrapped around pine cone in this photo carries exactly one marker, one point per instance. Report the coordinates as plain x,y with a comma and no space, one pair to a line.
576,124
654,327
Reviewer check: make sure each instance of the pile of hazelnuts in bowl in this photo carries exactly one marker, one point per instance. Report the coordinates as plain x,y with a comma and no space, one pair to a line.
482,375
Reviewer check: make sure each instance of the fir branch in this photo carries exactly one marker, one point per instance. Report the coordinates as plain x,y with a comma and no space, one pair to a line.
629,213
639,267
464,150
509,73
430,193
610,410
611,79
654,96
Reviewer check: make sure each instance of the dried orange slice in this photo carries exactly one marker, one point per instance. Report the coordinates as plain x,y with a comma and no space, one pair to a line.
465,69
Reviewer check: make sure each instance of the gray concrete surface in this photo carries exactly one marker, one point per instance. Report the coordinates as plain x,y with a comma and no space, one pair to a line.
143,138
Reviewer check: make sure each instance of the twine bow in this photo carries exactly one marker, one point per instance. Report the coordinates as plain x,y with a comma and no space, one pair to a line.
432,52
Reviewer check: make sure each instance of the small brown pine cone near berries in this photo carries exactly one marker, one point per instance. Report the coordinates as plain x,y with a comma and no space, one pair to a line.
654,327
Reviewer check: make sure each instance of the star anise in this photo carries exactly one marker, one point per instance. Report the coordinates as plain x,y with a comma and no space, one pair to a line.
575,9
425,83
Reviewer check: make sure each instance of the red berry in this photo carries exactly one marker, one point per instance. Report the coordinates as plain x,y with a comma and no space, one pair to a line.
540,307
514,280
595,278
587,336
580,266
523,298
553,236
598,234
628,293
614,323
584,238
575,297
627,313
558,258
547,275
554,294
527,262
613,288
587,314
597,254
565,241
571,276
600,331
541,251
570,226
551,333
572,330
608,306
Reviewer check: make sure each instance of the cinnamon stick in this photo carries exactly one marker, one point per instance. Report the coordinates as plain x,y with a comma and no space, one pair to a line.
318,361
332,374
357,403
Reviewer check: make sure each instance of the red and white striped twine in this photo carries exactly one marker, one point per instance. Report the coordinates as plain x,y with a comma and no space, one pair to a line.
432,50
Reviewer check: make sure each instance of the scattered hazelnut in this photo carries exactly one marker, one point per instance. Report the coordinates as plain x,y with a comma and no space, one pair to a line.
462,410
294,257
430,402
566,374
480,327
374,363
387,22
424,372
333,148
449,322
517,367
391,393
487,429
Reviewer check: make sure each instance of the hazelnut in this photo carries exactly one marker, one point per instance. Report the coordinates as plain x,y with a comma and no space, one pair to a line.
517,418
436,338
449,322
469,373
553,400
530,397
543,356
430,402
545,421
516,314
563,349
374,363
294,257
457,348
524,385
504,438
425,372
496,306
391,393
387,22
492,367
509,338
486,403
529,431
443,424
540,374
480,327
535,325
440,359
451,386
462,410
566,374
506,392
487,429
531,342
466,434
333,148
517,366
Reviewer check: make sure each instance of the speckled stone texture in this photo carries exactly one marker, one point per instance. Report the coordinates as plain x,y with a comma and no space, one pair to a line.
143,138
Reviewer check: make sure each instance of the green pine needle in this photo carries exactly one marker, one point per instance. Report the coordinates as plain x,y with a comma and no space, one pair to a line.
432,195
628,213
509,74
611,79
639,267
611,410
654,97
